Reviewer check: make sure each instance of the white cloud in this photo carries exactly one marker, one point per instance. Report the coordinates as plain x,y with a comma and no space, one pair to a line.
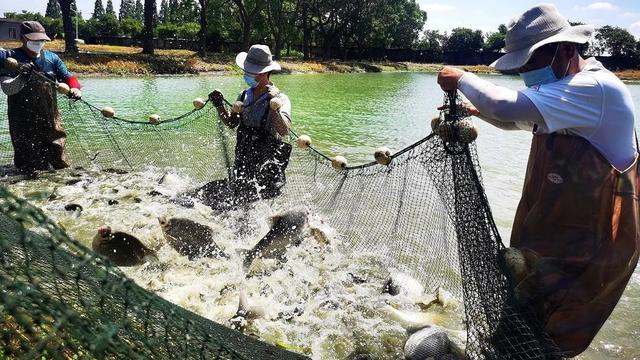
436,8
635,28
602,6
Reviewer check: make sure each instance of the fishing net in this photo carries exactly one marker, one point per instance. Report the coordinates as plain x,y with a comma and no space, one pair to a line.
424,213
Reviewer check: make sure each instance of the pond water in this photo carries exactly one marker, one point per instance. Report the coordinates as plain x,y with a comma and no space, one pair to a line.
352,115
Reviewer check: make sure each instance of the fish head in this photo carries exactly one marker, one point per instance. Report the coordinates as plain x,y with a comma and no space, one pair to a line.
294,218
104,231
164,222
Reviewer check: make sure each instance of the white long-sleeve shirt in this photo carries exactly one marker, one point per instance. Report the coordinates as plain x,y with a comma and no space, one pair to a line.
592,103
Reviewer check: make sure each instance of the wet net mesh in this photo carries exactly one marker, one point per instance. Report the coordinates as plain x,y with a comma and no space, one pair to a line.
425,213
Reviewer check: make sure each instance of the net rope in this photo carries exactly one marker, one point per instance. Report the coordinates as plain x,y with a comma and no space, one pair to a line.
425,213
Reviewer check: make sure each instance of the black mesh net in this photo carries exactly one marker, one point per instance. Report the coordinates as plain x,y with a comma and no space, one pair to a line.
425,213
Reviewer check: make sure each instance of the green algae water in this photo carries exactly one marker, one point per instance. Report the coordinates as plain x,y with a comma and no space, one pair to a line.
349,115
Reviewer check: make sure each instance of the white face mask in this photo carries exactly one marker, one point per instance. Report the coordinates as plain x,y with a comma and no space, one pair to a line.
35,46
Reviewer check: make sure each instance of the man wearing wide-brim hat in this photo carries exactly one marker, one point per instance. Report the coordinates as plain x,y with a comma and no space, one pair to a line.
37,134
577,224
262,116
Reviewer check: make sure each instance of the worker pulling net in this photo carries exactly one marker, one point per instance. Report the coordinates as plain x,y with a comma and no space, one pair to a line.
420,212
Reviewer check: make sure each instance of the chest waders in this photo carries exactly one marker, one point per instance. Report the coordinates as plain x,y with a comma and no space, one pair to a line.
260,163
578,226
36,129
258,171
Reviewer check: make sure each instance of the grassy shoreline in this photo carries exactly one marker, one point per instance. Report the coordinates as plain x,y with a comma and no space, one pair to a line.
107,60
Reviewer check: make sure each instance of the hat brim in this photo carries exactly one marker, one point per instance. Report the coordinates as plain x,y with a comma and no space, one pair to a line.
579,34
36,36
255,68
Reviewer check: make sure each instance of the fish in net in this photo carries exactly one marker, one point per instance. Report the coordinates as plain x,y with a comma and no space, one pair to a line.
422,210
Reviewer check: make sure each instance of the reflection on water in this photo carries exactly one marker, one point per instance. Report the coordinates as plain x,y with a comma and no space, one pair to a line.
351,115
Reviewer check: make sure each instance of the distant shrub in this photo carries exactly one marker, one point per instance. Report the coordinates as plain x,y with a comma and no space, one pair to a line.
167,31
188,30
131,27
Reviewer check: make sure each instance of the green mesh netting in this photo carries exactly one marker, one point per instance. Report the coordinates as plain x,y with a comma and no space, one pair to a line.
425,213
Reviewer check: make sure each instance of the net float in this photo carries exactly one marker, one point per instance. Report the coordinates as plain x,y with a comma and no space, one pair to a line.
275,104
63,88
339,162
154,119
198,103
382,155
303,142
107,112
237,106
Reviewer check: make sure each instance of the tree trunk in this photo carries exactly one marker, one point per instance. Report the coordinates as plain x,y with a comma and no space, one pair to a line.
246,34
70,45
306,33
149,12
278,45
326,47
203,28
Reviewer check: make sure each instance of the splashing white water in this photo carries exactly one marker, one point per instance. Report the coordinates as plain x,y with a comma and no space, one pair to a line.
321,301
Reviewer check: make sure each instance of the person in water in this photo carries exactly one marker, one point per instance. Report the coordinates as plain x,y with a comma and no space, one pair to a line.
36,130
578,221
262,120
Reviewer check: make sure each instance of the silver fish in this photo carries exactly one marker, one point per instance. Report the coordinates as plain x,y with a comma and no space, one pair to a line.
286,231
190,238
428,343
121,248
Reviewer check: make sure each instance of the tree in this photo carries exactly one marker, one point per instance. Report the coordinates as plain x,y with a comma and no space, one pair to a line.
149,22
247,12
131,27
53,9
107,25
98,10
138,11
173,12
127,9
164,9
187,12
109,9
332,19
69,29
464,40
281,16
203,27
615,41
495,41
432,41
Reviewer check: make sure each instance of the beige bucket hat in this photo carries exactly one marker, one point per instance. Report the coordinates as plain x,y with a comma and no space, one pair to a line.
257,60
537,27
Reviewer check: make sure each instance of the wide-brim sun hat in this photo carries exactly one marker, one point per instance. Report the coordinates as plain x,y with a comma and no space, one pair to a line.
257,60
538,26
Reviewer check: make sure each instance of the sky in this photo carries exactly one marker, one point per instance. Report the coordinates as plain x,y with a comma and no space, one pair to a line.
445,15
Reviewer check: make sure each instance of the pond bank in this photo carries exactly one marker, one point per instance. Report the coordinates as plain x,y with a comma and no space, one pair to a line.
107,60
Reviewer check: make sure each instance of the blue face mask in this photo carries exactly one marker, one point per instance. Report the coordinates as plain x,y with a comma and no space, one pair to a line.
540,76
250,80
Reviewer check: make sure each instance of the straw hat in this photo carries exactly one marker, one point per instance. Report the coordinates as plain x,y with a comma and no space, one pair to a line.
535,28
257,60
